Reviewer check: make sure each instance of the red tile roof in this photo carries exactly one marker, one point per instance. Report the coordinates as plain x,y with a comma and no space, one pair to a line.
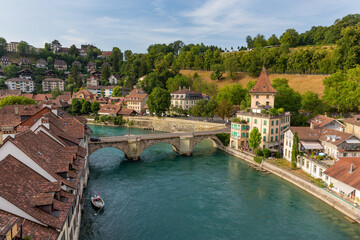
127,112
263,84
320,120
110,109
354,120
341,171
20,187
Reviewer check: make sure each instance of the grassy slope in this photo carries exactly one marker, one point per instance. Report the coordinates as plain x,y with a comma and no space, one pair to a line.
301,83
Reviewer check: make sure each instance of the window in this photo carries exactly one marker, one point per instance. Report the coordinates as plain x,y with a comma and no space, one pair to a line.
276,130
277,122
247,119
344,154
314,170
276,138
307,164
265,122
267,96
247,134
257,96
264,138
321,172
272,138
255,120
257,103
272,131
243,127
242,135
264,130
272,123
267,103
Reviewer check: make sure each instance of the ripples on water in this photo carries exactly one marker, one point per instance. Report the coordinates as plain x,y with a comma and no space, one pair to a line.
210,195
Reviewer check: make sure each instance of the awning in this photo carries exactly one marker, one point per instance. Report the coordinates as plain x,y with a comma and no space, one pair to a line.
311,145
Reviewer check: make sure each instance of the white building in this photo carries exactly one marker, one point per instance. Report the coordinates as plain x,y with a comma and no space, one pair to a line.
185,98
12,46
24,85
114,79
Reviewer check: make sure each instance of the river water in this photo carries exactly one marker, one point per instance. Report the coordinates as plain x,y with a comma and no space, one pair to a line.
210,195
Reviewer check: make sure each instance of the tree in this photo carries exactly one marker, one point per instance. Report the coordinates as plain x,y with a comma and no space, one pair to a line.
254,138
286,98
116,92
86,107
12,100
179,81
55,92
95,107
10,71
23,48
342,90
159,101
151,81
116,59
273,40
235,94
249,42
217,71
105,72
55,45
290,38
259,41
74,51
74,77
224,109
311,102
295,150
76,106
3,46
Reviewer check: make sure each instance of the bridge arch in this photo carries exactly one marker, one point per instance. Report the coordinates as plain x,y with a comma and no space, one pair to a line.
214,139
175,143
94,147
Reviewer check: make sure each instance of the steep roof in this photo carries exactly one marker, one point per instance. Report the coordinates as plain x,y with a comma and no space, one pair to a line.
341,171
321,120
263,84
306,133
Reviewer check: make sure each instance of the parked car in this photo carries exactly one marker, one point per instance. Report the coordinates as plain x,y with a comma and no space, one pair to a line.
94,139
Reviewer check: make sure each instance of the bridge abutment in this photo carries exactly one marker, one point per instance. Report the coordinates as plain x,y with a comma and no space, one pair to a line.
134,150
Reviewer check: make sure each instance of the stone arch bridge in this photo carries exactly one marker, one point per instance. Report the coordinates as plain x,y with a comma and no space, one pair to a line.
134,145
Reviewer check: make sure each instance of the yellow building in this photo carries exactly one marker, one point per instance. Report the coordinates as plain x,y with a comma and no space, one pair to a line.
271,123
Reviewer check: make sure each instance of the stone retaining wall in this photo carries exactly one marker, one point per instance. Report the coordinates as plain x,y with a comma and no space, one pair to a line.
318,192
173,124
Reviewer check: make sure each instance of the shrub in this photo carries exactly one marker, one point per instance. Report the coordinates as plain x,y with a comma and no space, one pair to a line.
319,182
319,158
312,155
281,111
266,152
331,185
258,152
273,112
258,159
224,138
277,154
130,123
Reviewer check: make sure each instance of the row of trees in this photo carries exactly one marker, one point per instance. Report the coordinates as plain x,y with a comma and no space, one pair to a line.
84,107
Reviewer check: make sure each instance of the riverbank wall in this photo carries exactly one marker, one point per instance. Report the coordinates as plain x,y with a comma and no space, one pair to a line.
168,124
339,204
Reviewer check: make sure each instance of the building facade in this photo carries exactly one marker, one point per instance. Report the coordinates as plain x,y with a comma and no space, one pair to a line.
185,98
24,85
50,84
271,125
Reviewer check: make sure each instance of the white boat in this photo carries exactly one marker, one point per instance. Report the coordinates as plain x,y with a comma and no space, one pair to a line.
97,201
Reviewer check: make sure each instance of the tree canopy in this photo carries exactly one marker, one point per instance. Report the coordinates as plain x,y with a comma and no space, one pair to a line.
158,101
12,100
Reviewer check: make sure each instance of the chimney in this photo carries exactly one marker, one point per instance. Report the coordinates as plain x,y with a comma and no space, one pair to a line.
16,109
312,126
351,168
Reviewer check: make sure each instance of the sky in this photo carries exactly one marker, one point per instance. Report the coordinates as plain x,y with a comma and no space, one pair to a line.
136,24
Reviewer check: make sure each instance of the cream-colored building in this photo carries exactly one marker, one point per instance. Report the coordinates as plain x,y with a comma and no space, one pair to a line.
185,98
136,100
50,84
12,46
271,126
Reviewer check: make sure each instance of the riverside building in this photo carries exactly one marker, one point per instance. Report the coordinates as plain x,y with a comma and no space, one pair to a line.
271,123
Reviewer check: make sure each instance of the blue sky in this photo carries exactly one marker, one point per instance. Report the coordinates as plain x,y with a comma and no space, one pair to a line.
135,24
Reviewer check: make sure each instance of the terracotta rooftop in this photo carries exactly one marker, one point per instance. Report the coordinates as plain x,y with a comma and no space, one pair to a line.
110,109
306,133
20,187
354,120
53,80
320,120
7,221
8,92
127,112
341,171
263,84
42,97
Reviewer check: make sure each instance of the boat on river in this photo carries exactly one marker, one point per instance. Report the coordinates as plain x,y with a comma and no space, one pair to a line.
97,201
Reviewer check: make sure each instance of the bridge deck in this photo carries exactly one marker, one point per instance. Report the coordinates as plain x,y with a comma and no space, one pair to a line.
159,136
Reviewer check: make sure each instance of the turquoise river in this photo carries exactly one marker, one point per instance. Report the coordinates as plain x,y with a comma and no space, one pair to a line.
210,195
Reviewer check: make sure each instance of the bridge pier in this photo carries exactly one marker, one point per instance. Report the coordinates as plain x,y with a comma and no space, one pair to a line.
186,145
134,150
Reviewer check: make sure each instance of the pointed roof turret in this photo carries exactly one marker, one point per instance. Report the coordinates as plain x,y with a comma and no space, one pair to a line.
263,84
